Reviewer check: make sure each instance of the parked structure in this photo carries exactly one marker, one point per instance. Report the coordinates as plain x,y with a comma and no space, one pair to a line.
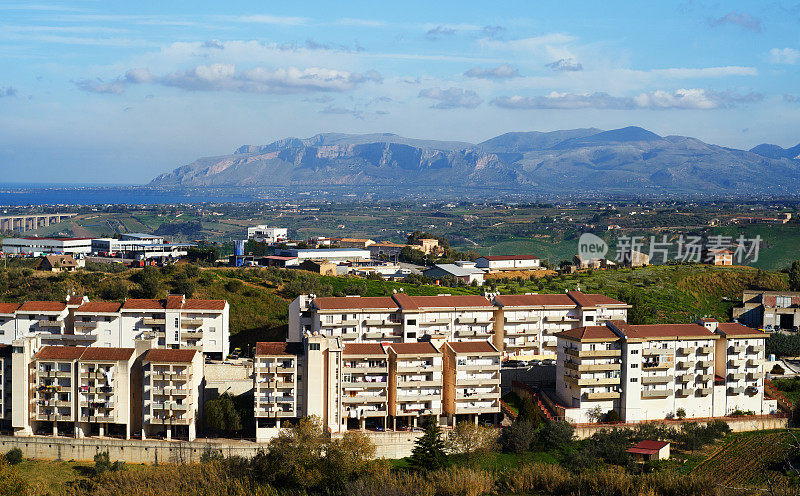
498,263
771,310
466,274
645,451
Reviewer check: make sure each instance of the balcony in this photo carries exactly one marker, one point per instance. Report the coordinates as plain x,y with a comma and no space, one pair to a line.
592,353
705,350
705,377
756,348
414,368
51,323
418,384
704,364
753,362
363,399
154,322
193,334
603,381
735,350
656,393
735,362
657,351
656,379
611,395
417,398
382,323
656,366
191,322
686,364
735,391
468,381
434,322
753,376
284,384
751,390
86,325
737,376
365,370
686,350
522,320
581,367
373,335
684,392
704,391
684,377
349,335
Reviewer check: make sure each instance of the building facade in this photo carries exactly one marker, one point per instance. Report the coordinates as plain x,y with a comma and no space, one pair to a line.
771,310
498,263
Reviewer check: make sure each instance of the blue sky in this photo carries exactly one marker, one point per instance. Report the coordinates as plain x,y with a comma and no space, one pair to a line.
118,92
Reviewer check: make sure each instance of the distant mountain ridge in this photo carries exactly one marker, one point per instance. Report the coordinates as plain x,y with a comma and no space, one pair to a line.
627,160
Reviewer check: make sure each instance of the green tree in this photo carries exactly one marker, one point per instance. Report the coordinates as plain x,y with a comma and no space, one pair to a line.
13,456
149,280
518,437
221,415
114,290
794,276
102,463
467,438
557,434
294,457
428,452
183,285
347,458
529,413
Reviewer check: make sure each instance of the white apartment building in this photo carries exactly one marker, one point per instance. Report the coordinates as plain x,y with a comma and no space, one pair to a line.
365,385
97,323
399,318
415,383
8,322
651,372
6,385
525,326
265,234
275,386
172,395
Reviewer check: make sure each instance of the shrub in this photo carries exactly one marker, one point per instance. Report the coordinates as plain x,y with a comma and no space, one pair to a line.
612,416
13,456
234,286
103,464
462,481
680,413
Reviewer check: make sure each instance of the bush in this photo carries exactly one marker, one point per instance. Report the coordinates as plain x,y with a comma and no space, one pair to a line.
680,413
612,416
102,464
13,456
234,286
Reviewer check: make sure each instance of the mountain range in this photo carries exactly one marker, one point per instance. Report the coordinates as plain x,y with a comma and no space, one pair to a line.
628,160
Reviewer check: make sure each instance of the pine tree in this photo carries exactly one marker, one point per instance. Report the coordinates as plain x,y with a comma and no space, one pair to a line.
428,452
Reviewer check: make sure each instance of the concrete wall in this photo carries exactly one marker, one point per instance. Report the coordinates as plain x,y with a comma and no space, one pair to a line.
234,379
539,375
737,424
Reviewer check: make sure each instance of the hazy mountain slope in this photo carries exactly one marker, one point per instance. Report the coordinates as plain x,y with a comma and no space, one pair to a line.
775,151
631,160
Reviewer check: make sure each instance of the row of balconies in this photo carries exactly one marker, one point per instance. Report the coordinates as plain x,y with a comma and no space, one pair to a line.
274,399
274,413
737,390
362,398
170,390
593,353
169,376
97,418
581,367
154,322
601,381
50,323
55,373
53,417
750,362
169,405
86,325
467,333
158,420
530,319
382,322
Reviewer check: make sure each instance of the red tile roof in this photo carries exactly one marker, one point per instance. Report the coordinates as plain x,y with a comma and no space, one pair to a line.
175,302
278,348
8,308
363,349
74,300
589,333
43,306
593,300
204,305
472,347
99,307
655,331
167,355
107,354
493,258
413,348
735,330
355,303
440,301
647,447
59,353
141,304
534,300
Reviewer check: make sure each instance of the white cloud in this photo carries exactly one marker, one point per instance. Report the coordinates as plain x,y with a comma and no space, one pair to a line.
565,65
503,71
451,98
266,19
784,56
686,99
742,19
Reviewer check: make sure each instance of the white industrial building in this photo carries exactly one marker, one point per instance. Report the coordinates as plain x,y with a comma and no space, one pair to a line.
266,234
330,255
36,246
495,263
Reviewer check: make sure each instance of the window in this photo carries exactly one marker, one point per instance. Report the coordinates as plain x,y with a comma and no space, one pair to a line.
212,342
329,319
411,322
212,329
634,379
590,318
634,365
177,322
634,352
313,346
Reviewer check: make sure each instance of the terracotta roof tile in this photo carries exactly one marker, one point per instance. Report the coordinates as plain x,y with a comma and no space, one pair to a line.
167,355
534,300
204,305
680,331
733,329
99,307
141,304
593,300
8,308
472,347
107,354
413,348
175,302
363,349
43,306
589,333
278,348
355,303
440,301
59,353
75,300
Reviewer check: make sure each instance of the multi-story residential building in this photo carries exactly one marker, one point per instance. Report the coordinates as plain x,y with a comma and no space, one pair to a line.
104,391
178,322
739,359
365,385
525,326
5,384
649,372
8,322
265,234
771,310
275,386
74,390
471,380
415,382
399,318
172,392
45,318
96,323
